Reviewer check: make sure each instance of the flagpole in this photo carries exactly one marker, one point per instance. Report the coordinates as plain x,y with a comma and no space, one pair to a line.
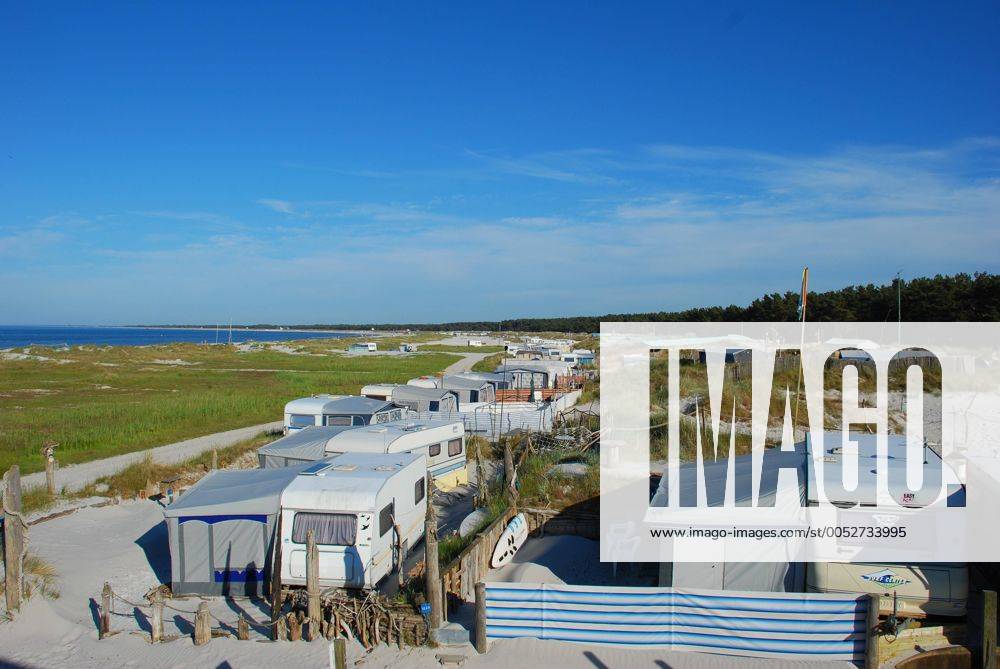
802,343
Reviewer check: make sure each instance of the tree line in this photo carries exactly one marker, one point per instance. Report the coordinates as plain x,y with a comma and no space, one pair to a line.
957,297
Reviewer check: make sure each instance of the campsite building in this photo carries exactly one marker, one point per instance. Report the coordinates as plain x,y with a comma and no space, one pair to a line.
338,410
354,504
469,389
221,531
441,441
414,397
534,373
497,380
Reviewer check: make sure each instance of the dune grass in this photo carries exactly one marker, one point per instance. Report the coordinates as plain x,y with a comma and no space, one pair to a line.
488,364
39,577
96,402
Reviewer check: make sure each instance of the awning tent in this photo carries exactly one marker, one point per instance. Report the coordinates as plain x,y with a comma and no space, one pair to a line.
221,531
305,445
734,575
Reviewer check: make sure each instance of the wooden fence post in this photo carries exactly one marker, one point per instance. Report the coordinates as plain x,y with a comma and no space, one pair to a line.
276,600
105,628
508,466
338,651
989,645
215,458
13,544
156,631
202,625
242,628
49,454
871,633
312,584
432,569
480,630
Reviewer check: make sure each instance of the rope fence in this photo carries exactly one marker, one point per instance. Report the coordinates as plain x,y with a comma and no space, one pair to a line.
370,619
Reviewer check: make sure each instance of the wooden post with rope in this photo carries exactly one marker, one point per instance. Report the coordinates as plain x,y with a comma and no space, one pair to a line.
14,544
242,628
202,625
432,571
105,622
312,585
49,454
156,629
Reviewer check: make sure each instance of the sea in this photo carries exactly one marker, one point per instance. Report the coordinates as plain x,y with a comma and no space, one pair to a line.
15,336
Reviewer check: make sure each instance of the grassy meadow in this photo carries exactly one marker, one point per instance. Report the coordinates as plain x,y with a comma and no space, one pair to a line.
98,401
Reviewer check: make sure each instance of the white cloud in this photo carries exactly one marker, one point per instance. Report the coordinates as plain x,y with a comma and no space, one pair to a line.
280,206
670,227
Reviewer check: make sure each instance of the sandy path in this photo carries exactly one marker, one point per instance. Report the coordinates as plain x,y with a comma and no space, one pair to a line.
75,477
466,363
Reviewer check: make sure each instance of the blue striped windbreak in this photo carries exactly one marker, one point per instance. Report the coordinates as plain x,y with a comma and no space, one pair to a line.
762,624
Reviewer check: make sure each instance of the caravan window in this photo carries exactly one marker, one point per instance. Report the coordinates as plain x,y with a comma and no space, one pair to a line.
301,420
454,447
329,529
434,450
385,519
418,491
338,420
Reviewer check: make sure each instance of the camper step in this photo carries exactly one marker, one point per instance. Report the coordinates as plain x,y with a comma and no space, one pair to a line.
451,634
450,659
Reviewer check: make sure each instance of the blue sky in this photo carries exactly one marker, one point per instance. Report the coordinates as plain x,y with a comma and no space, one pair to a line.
346,162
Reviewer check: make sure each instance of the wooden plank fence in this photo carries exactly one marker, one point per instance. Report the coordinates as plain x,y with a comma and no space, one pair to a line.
472,565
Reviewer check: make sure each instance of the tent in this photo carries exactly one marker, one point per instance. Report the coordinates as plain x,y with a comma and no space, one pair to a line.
221,531
732,575
305,445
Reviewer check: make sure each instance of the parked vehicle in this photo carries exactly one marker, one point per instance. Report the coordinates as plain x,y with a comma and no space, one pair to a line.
441,441
921,588
366,511
338,411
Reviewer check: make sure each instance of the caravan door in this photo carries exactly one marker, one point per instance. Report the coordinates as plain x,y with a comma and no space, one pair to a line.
343,543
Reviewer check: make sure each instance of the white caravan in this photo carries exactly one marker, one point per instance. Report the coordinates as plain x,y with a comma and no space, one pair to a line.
353,503
441,441
920,588
339,411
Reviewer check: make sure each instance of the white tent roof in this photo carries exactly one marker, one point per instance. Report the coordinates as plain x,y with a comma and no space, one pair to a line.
234,492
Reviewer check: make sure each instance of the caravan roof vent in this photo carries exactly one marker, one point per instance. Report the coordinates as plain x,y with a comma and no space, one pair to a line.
412,427
321,468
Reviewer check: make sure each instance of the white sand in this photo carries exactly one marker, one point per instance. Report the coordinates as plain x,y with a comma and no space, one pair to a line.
126,545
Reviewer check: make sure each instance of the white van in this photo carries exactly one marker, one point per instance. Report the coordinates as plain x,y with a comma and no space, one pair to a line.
351,503
442,442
